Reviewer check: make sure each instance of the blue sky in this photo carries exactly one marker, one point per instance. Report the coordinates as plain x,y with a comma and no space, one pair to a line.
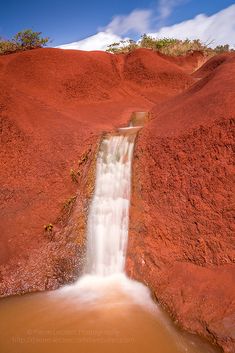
68,21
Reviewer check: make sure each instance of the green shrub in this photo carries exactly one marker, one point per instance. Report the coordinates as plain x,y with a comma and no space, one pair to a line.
181,47
29,40
24,40
7,47
222,48
167,46
156,44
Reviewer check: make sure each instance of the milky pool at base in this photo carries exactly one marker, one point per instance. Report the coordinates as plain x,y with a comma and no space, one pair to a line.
94,315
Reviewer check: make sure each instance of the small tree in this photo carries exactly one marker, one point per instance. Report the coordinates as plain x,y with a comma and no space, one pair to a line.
23,40
29,40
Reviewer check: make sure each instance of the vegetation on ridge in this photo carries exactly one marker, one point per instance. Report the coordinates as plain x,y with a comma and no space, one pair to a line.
167,46
24,40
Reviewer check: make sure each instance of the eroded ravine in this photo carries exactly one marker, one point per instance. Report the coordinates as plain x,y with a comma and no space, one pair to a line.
104,311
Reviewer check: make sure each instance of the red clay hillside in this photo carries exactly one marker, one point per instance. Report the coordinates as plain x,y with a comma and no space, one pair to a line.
55,106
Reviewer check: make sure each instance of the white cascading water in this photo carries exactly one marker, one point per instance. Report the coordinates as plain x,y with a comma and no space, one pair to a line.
109,210
107,228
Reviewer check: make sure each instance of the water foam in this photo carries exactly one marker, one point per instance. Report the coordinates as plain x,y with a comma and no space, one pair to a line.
112,290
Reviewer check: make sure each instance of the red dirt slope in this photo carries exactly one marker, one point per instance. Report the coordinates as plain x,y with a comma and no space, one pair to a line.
54,106
181,240
189,63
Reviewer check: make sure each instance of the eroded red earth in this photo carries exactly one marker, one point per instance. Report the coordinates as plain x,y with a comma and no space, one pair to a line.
54,107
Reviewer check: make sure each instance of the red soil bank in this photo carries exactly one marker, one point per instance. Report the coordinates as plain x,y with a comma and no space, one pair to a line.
181,240
54,107
189,63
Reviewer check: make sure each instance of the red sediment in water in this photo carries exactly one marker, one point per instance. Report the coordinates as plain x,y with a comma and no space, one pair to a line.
55,105
113,316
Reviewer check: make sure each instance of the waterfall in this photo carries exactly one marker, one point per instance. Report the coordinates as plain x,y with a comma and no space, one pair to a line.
104,280
104,297
108,219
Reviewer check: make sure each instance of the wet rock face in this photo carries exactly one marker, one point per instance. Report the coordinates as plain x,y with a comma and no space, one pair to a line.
59,254
181,239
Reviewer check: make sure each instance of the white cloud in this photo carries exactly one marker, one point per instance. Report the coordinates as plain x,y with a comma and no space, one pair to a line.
138,21
99,41
165,7
218,28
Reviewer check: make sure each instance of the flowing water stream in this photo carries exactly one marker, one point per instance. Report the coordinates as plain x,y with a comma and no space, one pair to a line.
109,210
103,311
